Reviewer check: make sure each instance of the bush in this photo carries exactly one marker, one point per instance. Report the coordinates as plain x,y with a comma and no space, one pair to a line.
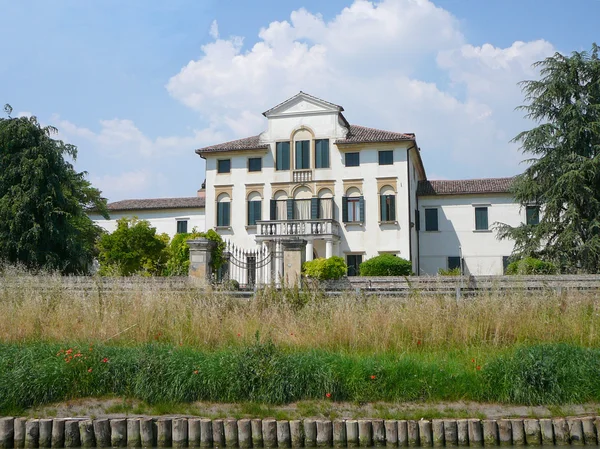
386,265
530,265
179,252
449,272
324,269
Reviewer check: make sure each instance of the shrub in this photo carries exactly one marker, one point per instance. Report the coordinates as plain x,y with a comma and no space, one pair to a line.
386,265
179,252
324,269
530,265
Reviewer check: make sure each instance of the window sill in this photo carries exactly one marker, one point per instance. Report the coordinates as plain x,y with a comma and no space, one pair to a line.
251,227
431,232
394,222
354,223
223,228
482,230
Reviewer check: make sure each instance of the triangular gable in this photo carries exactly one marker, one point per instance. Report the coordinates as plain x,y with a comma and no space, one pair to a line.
302,103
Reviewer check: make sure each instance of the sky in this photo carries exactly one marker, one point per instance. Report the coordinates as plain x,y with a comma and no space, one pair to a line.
138,85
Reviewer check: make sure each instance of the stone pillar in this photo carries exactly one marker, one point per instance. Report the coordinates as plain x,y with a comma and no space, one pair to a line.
309,250
292,261
328,248
278,257
201,258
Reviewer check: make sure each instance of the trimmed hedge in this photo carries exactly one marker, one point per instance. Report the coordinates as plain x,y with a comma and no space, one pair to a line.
531,265
325,269
386,265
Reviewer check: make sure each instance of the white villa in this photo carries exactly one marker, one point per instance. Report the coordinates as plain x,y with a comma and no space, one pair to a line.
345,190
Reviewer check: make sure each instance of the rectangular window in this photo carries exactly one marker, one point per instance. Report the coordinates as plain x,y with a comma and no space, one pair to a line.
182,226
431,219
505,262
255,164
223,214
388,207
302,154
533,215
386,157
481,218
282,156
453,262
353,209
352,159
322,153
254,212
353,261
224,165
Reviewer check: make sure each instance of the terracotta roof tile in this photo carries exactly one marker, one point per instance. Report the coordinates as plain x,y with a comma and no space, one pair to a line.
362,134
465,186
158,203
247,143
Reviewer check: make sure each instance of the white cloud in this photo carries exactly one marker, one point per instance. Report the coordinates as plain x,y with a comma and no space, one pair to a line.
214,30
129,184
378,60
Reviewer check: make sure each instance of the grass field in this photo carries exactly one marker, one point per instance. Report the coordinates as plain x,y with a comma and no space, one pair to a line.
177,347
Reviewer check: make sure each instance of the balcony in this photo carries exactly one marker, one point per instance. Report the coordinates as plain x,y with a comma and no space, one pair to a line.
302,175
278,229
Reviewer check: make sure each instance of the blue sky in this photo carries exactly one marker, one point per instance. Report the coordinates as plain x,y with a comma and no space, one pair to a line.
138,85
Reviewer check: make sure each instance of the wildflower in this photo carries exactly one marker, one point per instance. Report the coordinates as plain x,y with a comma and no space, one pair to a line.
89,370
418,342
478,368
195,371
77,355
472,360
69,351
328,395
239,335
373,377
105,360
292,334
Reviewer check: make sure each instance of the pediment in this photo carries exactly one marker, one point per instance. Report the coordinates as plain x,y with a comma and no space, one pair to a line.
302,103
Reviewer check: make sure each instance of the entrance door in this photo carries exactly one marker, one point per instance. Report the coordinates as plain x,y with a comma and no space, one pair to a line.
353,261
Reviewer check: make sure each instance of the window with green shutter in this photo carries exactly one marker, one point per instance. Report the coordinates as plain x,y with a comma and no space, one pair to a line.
533,215
352,159
386,157
223,213
254,212
387,207
182,226
353,209
282,156
255,164
322,153
481,219
431,219
302,154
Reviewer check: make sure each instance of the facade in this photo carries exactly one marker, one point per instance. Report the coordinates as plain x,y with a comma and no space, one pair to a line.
167,215
351,191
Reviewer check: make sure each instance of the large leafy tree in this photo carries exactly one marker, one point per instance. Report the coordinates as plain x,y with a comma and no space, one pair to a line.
563,173
43,200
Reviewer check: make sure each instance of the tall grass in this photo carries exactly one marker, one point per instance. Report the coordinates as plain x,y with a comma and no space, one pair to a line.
291,319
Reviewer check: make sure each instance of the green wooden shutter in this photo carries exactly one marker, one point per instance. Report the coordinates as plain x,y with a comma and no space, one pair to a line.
314,208
251,219
345,209
290,209
382,208
273,210
286,156
361,206
257,210
220,214
481,218
226,214
392,211
298,155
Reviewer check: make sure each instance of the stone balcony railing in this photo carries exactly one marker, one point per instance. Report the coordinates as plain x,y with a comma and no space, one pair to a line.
302,175
300,228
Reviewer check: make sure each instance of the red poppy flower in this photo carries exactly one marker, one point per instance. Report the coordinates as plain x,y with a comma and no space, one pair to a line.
90,370
478,368
195,371
105,360
472,360
328,395
418,342
239,335
373,377
69,351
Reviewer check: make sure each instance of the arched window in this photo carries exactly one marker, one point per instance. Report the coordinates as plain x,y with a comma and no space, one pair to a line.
223,210
302,204
325,204
279,206
302,139
387,204
254,208
353,206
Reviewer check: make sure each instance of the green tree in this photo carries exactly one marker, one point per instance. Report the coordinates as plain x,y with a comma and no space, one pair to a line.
133,248
179,252
563,174
43,200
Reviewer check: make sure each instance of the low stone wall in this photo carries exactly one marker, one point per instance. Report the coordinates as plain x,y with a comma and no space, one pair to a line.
269,433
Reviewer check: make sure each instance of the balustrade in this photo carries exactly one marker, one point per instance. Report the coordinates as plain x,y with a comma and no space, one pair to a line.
284,228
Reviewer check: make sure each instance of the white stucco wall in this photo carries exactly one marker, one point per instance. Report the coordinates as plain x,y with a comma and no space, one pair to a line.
481,250
164,220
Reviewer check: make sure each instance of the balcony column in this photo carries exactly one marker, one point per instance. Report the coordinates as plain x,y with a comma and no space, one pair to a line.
309,250
328,248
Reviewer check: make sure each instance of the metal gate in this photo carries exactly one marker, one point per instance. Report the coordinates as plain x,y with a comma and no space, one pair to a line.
247,267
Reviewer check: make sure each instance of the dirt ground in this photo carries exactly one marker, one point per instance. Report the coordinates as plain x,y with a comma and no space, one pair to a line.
119,407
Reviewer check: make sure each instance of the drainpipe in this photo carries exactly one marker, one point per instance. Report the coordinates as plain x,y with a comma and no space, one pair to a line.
410,206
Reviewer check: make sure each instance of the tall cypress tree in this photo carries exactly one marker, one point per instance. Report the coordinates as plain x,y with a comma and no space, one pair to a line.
563,174
43,200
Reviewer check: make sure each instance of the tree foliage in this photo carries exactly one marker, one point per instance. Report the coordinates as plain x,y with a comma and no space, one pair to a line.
325,269
133,248
563,173
530,265
43,200
179,252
